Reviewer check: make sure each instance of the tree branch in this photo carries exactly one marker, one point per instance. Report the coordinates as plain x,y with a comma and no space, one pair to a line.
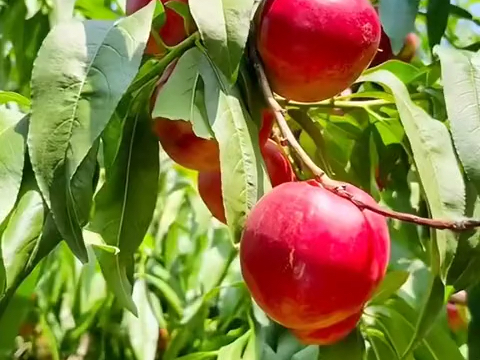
332,185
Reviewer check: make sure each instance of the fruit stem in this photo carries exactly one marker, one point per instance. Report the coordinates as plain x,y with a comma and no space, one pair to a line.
334,186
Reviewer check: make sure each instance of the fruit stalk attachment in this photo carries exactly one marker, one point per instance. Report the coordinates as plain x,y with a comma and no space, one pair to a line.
334,186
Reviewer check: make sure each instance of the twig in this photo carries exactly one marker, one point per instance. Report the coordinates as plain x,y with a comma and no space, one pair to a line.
333,185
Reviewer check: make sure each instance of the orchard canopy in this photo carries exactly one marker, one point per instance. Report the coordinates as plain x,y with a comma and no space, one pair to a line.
240,179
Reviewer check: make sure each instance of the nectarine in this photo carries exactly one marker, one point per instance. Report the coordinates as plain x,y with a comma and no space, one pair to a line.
312,259
314,49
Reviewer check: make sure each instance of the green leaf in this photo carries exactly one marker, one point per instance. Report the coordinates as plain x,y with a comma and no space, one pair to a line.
72,201
443,186
398,19
350,348
380,347
13,134
461,79
465,269
181,98
389,286
29,234
438,12
199,356
142,330
224,26
396,319
117,273
23,228
9,96
234,350
242,166
168,294
436,165
244,178
74,94
125,204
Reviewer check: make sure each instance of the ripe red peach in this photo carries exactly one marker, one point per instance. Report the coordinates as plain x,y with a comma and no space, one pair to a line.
312,50
312,259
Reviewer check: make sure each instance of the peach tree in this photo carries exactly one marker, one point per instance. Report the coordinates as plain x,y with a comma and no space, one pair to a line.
239,179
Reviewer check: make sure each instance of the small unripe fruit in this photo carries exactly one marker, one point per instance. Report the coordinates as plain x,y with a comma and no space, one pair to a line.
172,32
312,259
210,185
314,49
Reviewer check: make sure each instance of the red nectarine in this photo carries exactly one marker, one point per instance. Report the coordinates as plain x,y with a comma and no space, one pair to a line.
314,49
312,259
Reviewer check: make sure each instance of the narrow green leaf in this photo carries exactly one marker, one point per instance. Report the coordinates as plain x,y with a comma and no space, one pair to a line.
13,133
234,350
142,330
23,228
350,348
398,19
443,186
199,356
465,269
117,275
389,286
167,292
244,179
9,96
75,90
438,12
461,80
179,98
379,348
396,319
125,204
436,165
224,26
71,203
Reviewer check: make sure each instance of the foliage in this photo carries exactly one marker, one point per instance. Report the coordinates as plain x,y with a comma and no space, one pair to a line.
107,250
